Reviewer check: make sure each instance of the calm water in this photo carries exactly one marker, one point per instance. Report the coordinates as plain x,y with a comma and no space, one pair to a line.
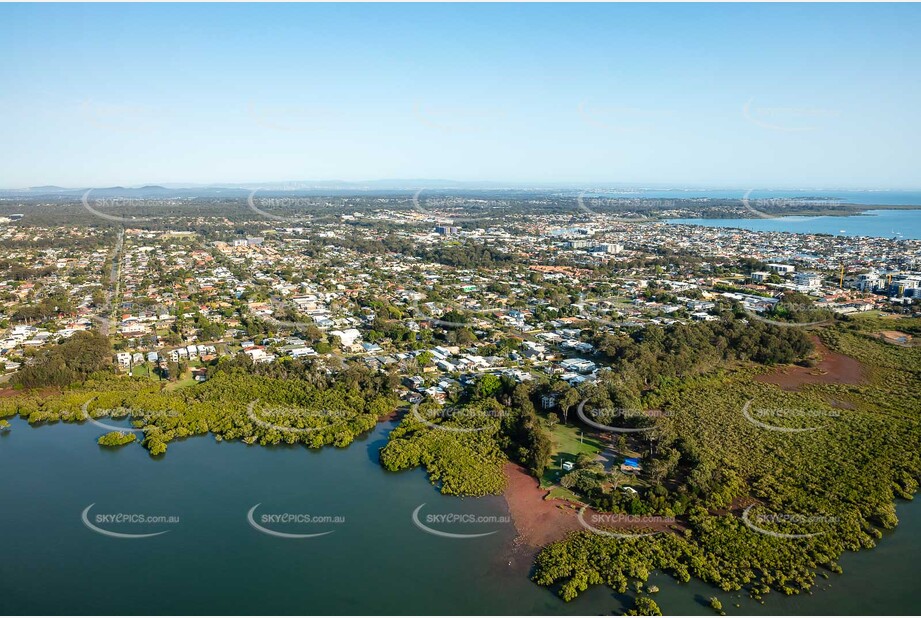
881,223
375,562
870,198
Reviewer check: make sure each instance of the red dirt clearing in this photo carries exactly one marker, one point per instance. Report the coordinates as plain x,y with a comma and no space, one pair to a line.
537,521
540,522
833,368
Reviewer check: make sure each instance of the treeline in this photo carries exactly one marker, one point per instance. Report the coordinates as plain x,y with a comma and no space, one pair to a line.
462,254
65,363
656,356
236,403
17,271
720,551
353,376
704,462
48,307
460,452
798,308
463,448
116,438
466,255
523,437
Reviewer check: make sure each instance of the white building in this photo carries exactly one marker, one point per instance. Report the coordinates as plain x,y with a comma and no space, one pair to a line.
579,365
783,269
809,281
348,337
867,282
612,248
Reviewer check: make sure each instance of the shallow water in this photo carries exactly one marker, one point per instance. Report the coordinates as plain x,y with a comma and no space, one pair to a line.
899,224
377,561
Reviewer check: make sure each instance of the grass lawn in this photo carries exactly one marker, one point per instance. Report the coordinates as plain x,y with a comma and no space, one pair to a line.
142,371
566,447
561,493
180,384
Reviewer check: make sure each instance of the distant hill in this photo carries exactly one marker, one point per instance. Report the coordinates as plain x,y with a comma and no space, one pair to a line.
48,188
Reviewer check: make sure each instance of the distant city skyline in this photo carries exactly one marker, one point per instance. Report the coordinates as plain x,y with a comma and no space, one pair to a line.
697,96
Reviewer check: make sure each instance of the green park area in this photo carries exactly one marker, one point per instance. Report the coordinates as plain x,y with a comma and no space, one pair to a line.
569,441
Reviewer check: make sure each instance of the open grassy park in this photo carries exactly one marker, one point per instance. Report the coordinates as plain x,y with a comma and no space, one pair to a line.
569,441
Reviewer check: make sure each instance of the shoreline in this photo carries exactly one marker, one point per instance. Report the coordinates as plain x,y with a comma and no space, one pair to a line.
537,521
860,210
540,521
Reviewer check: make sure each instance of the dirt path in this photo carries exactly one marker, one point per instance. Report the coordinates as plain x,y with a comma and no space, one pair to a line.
833,368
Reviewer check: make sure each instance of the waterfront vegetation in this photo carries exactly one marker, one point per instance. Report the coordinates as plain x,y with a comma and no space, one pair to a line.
460,453
832,485
238,402
464,448
706,462
117,438
644,606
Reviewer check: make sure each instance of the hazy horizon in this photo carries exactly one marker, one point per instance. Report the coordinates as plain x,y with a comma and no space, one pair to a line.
447,183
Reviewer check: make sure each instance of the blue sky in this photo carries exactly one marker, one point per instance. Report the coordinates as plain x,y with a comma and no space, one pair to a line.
804,96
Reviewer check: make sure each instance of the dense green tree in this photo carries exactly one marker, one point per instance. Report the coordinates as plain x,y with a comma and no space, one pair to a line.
69,361
117,438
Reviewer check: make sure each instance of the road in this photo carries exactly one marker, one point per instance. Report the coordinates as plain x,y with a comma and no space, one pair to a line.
114,288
